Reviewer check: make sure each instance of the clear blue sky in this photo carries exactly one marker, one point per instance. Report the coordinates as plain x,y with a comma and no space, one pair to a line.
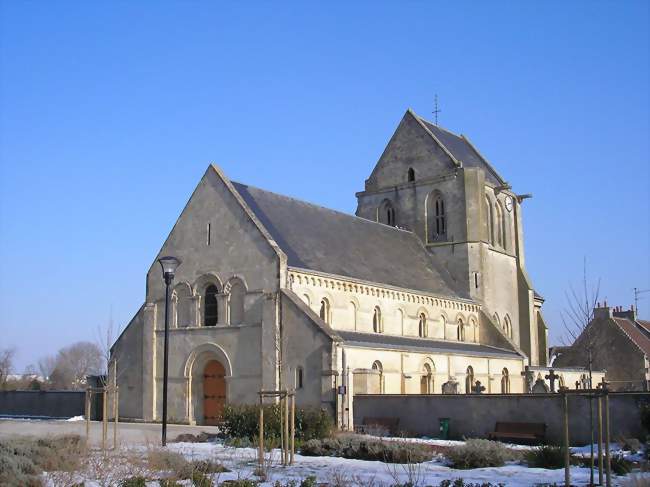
111,112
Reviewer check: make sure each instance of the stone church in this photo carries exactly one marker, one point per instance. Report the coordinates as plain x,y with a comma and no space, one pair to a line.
423,291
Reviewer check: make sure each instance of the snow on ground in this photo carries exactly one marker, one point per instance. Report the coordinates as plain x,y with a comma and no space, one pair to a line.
243,461
75,418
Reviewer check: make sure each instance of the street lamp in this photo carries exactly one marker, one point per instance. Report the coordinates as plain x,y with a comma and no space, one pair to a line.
169,265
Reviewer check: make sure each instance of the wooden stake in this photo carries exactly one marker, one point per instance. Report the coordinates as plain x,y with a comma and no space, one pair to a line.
281,432
104,418
115,419
88,396
600,440
567,467
261,452
286,428
608,465
293,426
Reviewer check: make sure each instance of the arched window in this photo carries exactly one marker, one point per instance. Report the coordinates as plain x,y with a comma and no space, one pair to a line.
469,380
353,315
507,326
505,381
377,367
307,300
426,380
436,217
499,224
496,320
489,220
461,330
324,312
182,303
299,378
411,175
502,226
211,306
376,320
236,302
473,329
386,213
423,326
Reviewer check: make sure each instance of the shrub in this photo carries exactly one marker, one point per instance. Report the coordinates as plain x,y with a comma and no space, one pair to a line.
168,483
200,479
619,465
366,449
461,483
242,421
138,481
477,453
239,483
23,459
546,456
165,460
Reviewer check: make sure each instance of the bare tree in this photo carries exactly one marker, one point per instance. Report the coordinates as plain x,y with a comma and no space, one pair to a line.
46,366
105,338
6,364
580,311
74,363
577,319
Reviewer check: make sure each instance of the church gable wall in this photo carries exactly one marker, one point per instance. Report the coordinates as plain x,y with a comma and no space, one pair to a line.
222,250
411,147
127,352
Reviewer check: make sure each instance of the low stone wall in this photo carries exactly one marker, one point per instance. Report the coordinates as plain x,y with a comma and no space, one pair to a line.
474,416
45,404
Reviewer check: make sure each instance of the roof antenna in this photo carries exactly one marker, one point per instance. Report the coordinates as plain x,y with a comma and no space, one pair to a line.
436,111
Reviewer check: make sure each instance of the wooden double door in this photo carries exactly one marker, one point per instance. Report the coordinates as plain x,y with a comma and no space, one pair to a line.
214,392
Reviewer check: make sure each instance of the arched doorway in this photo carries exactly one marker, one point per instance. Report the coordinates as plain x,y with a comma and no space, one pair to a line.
214,392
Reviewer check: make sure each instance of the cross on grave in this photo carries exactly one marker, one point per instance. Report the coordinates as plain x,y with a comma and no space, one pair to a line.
577,384
552,377
478,388
585,381
529,377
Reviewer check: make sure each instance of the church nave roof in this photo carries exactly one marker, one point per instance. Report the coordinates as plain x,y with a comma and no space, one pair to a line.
337,243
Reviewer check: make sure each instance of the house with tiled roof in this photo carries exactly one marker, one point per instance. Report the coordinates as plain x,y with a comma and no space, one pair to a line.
620,345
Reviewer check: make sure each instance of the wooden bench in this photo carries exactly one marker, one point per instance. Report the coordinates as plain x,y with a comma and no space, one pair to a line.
519,432
378,426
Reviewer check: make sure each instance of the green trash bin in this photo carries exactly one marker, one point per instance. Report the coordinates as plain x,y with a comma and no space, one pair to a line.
444,429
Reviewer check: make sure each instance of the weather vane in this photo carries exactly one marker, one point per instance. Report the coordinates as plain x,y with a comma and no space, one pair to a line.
436,110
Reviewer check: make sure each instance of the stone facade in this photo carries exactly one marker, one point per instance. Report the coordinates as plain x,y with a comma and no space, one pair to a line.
428,287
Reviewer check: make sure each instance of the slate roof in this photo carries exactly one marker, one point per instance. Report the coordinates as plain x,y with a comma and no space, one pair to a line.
463,151
645,325
635,334
416,344
332,242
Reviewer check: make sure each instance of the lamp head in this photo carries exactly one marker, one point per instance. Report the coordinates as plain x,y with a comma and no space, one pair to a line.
169,265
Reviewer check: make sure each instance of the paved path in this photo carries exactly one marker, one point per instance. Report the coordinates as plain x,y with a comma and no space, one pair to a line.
128,433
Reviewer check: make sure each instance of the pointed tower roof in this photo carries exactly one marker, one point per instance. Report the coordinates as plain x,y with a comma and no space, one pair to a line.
460,149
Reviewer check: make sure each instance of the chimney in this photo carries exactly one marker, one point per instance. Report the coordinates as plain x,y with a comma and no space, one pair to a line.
630,314
603,312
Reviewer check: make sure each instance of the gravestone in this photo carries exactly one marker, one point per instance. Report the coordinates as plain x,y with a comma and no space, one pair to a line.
552,377
540,386
450,387
529,379
478,388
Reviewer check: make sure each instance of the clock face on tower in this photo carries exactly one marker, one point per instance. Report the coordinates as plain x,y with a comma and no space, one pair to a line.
508,203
